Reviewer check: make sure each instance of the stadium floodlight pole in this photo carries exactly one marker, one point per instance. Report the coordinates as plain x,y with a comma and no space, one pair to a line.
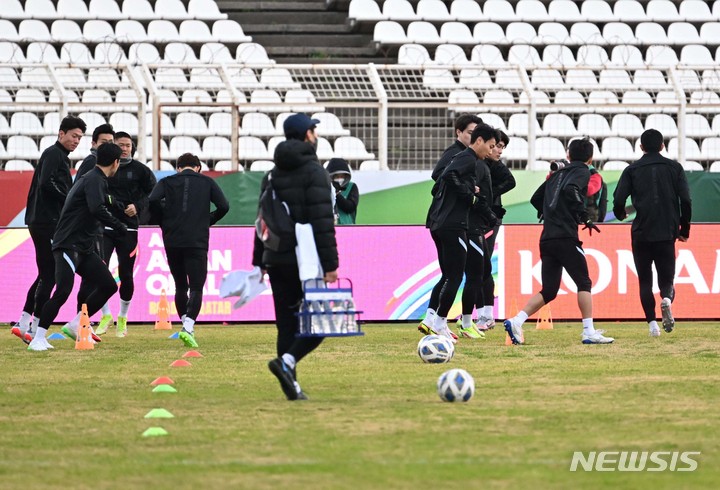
682,106
382,114
532,112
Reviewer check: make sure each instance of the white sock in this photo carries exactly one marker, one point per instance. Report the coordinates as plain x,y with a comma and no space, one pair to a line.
429,319
667,300
182,319
289,360
40,333
25,320
106,309
467,321
487,312
124,307
653,325
74,323
440,323
34,326
189,325
520,318
588,328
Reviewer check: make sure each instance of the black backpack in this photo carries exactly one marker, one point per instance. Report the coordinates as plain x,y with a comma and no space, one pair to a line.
599,200
274,225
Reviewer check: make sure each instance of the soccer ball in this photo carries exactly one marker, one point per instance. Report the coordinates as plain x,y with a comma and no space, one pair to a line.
456,385
435,349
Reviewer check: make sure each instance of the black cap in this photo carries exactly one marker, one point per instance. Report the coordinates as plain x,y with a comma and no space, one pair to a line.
338,166
297,125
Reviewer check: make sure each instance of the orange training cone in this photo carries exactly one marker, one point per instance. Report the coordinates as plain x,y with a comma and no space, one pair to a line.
163,321
83,340
544,321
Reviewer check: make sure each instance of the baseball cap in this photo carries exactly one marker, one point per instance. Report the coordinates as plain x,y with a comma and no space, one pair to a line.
298,124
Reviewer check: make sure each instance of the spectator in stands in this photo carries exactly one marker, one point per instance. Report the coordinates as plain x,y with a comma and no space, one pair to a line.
181,204
502,182
464,126
455,193
561,201
101,135
347,195
73,245
130,187
300,181
661,196
50,185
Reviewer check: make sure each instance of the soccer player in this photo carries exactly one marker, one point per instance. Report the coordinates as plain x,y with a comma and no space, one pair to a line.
455,193
73,245
502,182
50,185
560,201
131,186
101,135
181,204
661,196
464,126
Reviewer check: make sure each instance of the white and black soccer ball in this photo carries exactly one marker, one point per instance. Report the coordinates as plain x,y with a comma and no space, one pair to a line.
456,385
435,349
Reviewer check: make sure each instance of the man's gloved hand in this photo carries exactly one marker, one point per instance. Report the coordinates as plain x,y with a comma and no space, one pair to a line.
590,226
337,186
499,211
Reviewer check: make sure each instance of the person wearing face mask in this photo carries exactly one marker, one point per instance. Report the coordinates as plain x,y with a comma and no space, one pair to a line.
130,187
347,195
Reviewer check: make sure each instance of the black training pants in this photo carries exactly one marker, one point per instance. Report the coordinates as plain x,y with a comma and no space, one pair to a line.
42,236
662,254
29,306
88,266
488,282
126,247
85,286
452,252
474,269
288,295
559,253
188,266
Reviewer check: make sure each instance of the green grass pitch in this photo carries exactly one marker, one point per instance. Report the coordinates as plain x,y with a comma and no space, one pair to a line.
74,419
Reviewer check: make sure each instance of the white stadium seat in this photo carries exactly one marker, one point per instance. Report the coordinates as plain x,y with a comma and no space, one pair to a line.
524,55
661,56
520,33
694,11
124,121
518,125
205,10
475,78
42,52
538,166
365,10
629,11
663,123
18,166
594,125
487,55
559,125
626,125
413,54
456,33
226,166
689,166
597,11
697,126
369,165
615,79
683,33
252,148
625,55
171,9
695,54
106,9
40,9
433,11
531,11
351,148
582,33
109,53
552,33
661,11
130,31
197,31
252,53
191,124
499,11
34,30
262,165
615,148
692,150
215,53
229,31
329,125
466,11
558,56
592,55
97,31
710,148
216,148
715,167
423,32
22,148
26,123
614,165
493,120
618,33
449,54
517,149
257,124
138,10
184,144
162,31
64,30
399,10
564,11
488,33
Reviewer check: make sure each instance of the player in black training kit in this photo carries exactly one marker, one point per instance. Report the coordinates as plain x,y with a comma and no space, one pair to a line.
454,194
101,135
560,202
180,203
50,185
74,245
130,187
464,126
661,196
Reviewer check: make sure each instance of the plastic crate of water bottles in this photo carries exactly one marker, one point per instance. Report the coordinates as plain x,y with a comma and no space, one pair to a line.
329,310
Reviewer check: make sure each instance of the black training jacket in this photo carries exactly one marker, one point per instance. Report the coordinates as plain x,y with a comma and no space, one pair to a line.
86,207
87,164
481,217
454,193
561,200
502,182
300,181
446,158
180,203
132,184
660,194
50,185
